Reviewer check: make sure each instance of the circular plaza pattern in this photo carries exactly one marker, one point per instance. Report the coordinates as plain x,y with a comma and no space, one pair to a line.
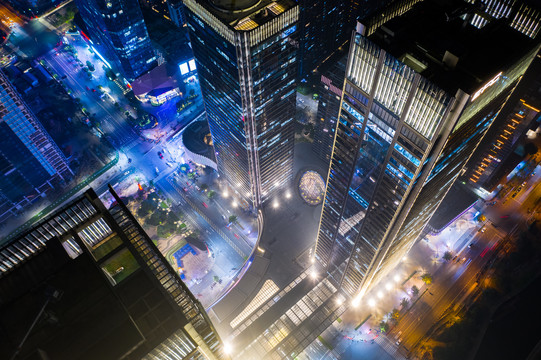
312,187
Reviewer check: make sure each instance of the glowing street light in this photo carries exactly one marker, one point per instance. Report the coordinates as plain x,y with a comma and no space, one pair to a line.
396,278
356,301
313,274
388,286
339,301
228,348
371,302
288,195
225,194
234,204
379,295
275,204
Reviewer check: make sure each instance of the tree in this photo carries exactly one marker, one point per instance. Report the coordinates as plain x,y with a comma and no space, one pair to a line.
211,194
447,256
216,278
384,327
404,303
204,187
415,290
395,314
233,219
427,278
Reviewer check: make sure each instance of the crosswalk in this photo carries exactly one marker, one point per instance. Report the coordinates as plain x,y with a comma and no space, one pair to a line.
390,347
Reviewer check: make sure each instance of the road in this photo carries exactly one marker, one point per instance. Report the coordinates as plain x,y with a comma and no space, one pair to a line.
457,279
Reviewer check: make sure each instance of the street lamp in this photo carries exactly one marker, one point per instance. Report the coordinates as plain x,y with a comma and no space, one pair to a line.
227,348
371,302
388,286
396,278
288,195
234,204
225,194
313,274
380,295
275,204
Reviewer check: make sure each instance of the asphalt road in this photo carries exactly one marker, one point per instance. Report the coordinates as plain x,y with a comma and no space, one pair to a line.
454,281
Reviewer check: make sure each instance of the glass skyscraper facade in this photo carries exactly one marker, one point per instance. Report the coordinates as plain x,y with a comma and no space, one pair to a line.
30,160
105,281
246,55
118,31
402,140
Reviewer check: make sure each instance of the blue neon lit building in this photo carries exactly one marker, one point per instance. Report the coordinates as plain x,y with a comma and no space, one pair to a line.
246,58
407,126
118,31
30,161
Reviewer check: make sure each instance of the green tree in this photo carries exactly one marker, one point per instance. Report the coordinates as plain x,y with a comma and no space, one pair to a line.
415,290
204,187
404,303
233,219
384,326
427,278
216,278
447,256
211,194
395,314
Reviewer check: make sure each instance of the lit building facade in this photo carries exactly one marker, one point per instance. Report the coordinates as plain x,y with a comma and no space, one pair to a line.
176,12
515,119
407,127
328,108
246,58
30,161
104,290
117,30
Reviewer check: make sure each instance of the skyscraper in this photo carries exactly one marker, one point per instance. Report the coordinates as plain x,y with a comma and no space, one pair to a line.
514,120
30,161
333,72
88,283
415,105
246,55
118,32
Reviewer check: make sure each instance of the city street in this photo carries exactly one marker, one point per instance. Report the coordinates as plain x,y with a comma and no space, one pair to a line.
473,245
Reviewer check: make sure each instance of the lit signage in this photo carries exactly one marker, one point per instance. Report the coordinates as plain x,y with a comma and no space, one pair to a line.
191,63
184,68
101,57
486,86
289,31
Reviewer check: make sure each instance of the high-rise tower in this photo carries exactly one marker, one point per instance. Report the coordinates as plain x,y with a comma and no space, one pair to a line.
88,283
415,105
30,161
118,31
246,55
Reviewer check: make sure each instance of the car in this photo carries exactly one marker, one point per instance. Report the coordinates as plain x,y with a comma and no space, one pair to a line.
87,87
93,90
160,154
470,246
236,236
398,341
205,204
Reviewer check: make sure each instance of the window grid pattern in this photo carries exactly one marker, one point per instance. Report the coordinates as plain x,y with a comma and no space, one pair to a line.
427,108
363,64
270,303
57,225
268,289
262,347
394,84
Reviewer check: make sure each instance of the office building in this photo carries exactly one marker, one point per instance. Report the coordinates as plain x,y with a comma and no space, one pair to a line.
30,161
117,31
88,283
333,73
486,166
246,56
415,106
176,12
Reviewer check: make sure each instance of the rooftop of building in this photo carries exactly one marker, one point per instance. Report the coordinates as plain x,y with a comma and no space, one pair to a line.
157,81
436,39
245,15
